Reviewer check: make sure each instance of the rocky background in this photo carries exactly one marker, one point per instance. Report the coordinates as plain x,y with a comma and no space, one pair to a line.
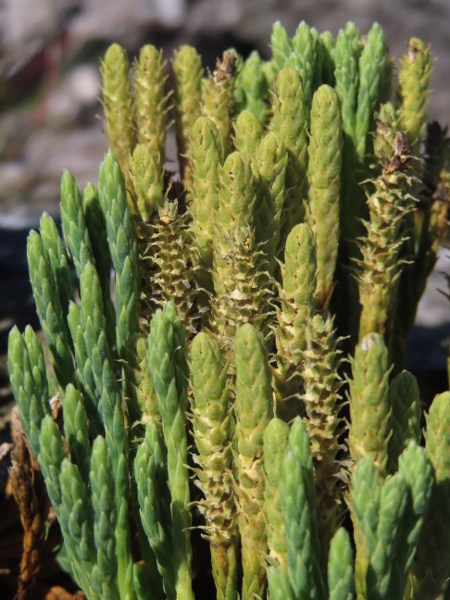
49,109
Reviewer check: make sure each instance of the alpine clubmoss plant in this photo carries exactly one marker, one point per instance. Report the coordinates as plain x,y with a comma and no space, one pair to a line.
246,381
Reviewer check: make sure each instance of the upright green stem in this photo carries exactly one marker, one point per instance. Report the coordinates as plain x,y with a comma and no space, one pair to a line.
253,412
324,170
213,426
168,367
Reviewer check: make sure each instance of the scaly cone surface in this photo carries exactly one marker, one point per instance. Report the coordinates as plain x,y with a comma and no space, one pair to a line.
213,427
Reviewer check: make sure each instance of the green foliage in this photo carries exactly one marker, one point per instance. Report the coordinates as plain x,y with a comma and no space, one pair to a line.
253,412
276,438
213,428
251,297
188,73
324,168
390,516
168,369
150,105
369,402
117,103
298,499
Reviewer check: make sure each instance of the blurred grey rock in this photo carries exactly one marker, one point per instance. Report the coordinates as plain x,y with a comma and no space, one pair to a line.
77,94
27,25
30,28
34,180
428,344
119,21
435,306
